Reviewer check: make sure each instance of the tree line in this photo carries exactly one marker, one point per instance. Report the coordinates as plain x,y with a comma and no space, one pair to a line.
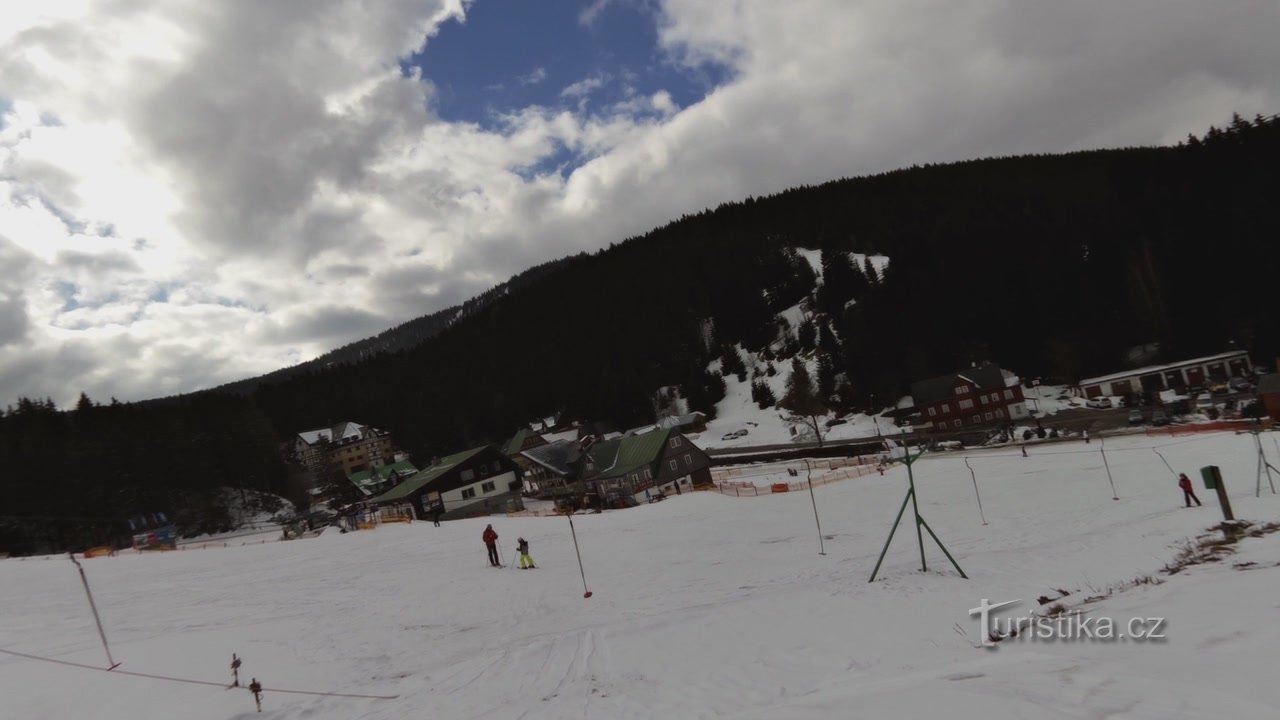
1050,265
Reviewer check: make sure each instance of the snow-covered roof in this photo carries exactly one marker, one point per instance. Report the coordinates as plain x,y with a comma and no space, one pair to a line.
1151,369
342,431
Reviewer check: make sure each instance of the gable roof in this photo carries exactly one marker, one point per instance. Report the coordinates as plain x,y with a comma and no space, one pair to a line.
1268,384
517,441
367,480
341,431
560,457
427,475
623,455
940,388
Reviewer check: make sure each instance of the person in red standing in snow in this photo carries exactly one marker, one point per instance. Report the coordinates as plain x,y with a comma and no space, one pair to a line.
1187,493
491,542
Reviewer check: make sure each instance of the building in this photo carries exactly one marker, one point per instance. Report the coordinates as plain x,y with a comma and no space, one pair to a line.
554,469
531,472
984,395
380,478
1196,372
345,448
478,481
620,471
1269,394
695,421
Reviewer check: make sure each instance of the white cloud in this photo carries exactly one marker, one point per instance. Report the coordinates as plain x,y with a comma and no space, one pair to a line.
586,86
533,77
588,16
194,192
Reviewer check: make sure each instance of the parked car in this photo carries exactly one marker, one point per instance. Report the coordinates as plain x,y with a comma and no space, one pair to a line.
1100,403
1159,418
1217,388
1241,385
834,422
735,434
1135,417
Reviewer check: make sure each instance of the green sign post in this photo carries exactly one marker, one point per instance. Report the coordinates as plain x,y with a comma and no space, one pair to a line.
1213,481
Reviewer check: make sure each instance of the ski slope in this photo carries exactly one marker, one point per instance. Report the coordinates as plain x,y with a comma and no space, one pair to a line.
704,606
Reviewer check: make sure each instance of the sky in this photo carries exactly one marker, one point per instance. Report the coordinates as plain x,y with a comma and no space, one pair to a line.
193,192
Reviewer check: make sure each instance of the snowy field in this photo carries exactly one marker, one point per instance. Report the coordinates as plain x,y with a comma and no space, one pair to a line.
704,606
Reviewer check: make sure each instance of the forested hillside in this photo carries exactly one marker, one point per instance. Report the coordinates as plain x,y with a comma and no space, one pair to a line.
400,337
1051,265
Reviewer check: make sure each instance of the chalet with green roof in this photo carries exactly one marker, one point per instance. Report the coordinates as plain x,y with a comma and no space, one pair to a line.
626,470
479,481
381,478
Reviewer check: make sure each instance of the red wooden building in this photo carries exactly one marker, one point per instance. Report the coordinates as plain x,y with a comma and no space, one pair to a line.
984,395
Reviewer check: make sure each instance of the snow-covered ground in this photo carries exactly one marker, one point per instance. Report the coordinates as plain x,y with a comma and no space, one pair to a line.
1050,399
772,426
704,606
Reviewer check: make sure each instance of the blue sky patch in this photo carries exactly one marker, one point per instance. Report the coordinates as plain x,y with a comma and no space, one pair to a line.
512,54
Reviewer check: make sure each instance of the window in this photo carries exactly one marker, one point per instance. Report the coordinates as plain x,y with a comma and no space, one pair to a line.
497,466
468,493
648,475
467,475
999,412
984,399
977,419
945,408
1008,394
986,416
674,465
962,389
688,459
487,487
674,442
957,423
966,404
933,411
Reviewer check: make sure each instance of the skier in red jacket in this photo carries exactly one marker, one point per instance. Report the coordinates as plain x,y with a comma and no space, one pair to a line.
1187,493
491,542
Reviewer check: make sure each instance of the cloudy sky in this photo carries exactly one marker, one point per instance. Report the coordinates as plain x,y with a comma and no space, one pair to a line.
192,192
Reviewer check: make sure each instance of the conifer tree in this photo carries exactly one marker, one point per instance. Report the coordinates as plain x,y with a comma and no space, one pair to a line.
802,397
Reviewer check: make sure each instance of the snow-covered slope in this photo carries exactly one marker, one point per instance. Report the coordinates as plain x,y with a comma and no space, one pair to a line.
773,425
704,606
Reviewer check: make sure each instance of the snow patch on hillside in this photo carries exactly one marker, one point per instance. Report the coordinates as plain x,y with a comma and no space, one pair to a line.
814,258
774,425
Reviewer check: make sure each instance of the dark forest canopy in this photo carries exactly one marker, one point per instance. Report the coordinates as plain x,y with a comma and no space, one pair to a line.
1050,265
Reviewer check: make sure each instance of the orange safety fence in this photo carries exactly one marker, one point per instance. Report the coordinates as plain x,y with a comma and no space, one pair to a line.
1217,426
725,474
747,489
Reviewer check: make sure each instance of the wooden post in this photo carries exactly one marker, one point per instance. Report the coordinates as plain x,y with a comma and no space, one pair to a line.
1213,481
